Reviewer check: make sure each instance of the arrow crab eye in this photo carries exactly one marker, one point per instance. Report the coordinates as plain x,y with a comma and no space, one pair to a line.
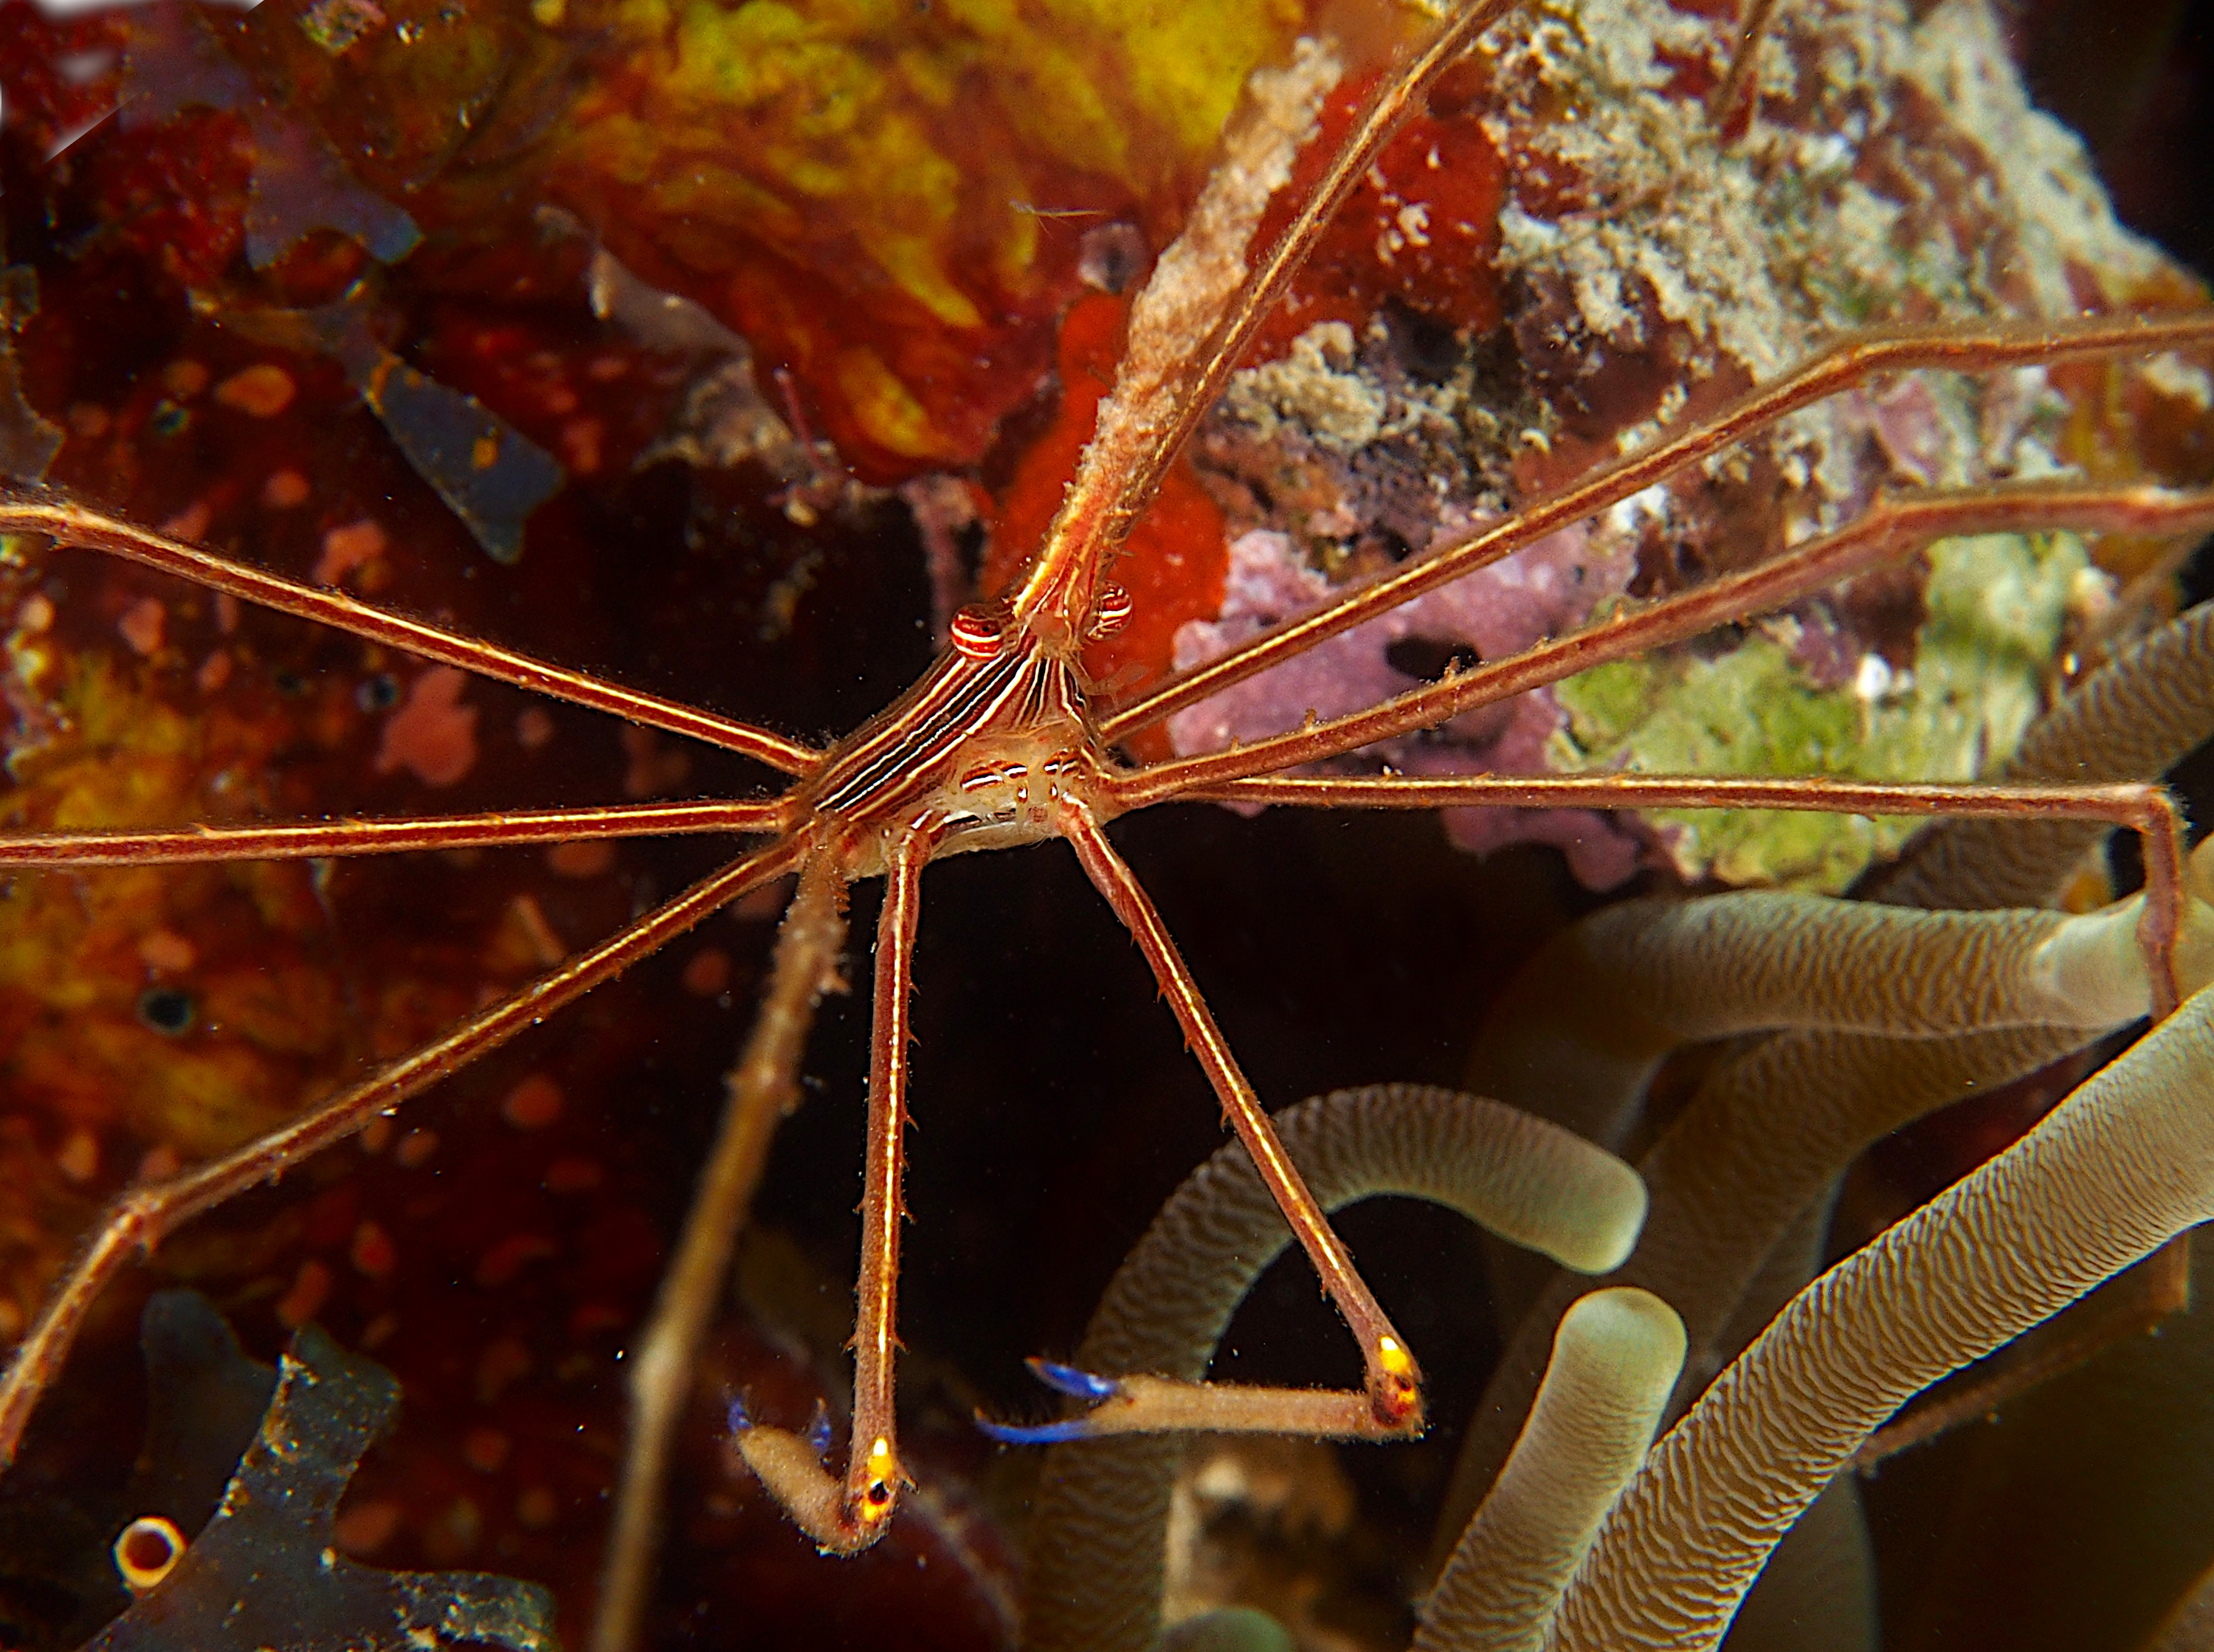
1114,613
979,631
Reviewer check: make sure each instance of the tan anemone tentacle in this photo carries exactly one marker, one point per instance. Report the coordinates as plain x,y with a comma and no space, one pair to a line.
1615,1360
2120,1167
1094,1577
1589,1020
1762,1138
1768,1131
2189,1625
2134,718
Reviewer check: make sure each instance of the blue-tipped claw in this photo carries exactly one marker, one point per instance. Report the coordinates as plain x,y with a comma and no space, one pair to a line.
1067,1380
1042,1434
740,1420
1061,1379
818,1429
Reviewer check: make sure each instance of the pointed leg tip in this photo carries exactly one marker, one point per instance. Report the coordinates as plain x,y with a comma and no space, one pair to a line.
1040,1433
1075,1383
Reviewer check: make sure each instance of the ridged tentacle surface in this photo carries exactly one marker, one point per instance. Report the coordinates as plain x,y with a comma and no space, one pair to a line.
2120,1167
1770,1130
1764,1138
1615,1359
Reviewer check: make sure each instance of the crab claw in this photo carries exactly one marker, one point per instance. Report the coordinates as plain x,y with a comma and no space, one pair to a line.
1067,1380
1040,1433
1061,1379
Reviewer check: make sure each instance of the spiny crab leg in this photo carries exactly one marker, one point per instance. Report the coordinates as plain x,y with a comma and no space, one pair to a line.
75,525
314,840
1836,369
1892,527
2148,810
1392,1404
846,1518
142,1217
761,1089
1161,394
1157,1405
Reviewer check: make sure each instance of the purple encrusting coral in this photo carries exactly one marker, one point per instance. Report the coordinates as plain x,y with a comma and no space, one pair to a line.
1495,611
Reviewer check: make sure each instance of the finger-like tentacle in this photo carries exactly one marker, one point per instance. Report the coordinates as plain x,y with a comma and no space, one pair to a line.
2120,1167
1769,1132
141,1218
1838,368
762,1088
1591,1016
2136,716
73,524
1892,527
314,840
846,1518
1094,1577
2148,810
1615,1359
1392,1382
1758,1143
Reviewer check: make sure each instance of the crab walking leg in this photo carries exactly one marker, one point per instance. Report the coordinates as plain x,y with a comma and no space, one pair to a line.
1164,386
1393,1382
142,1217
74,525
1891,528
761,1089
2148,810
2122,1166
1723,101
1099,1520
1840,367
846,1519
317,840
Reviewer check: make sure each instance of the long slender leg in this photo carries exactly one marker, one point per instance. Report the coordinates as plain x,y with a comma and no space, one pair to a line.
1890,528
1165,386
763,1088
72,524
313,840
2148,810
1722,102
846,1518
1394,1384
1842,365
142,1217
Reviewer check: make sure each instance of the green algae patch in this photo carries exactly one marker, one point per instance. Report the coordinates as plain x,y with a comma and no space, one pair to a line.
1996,611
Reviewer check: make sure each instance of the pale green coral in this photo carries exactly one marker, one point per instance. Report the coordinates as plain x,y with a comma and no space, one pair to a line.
1996,607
